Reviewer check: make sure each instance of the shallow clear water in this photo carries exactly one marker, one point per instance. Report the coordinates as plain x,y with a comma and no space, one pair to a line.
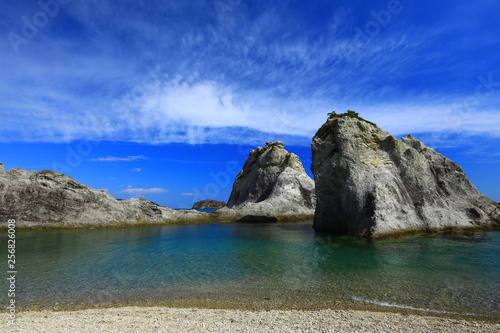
204,210
207,210
282,263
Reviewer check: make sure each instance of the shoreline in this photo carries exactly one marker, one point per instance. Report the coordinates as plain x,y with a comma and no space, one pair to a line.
263,305
191,319
211,218
463,231
319,308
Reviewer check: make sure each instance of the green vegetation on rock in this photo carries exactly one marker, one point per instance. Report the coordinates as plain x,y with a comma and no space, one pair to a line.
331,122
48,172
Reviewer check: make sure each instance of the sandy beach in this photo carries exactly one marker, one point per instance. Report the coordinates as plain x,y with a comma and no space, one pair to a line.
162,319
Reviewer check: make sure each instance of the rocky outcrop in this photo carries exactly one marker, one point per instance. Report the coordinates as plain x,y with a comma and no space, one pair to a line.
43,199
209,204
272,183
368,183
272,186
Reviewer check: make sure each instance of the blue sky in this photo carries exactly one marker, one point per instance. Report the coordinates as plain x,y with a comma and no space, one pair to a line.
164,99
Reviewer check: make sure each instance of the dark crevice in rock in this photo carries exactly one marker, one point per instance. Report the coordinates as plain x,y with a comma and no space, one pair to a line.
374,184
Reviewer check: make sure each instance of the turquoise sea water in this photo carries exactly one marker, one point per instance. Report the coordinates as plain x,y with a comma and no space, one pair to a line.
207,210
285,263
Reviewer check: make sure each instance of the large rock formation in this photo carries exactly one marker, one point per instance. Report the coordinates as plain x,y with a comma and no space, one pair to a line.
209,204
41,199
272,183
368,183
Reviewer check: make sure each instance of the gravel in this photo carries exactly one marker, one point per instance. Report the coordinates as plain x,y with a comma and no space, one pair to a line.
162,319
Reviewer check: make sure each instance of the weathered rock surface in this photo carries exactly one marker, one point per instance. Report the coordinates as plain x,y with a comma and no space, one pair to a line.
47,198
273,183
368,183
209,204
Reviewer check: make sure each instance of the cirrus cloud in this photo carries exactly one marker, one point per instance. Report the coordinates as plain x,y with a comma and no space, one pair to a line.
130,75
119,159
142,191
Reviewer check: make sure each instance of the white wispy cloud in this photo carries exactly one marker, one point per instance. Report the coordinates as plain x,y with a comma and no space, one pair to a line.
142,191
187,194
136,169
200,109
119,159
401,119
217,78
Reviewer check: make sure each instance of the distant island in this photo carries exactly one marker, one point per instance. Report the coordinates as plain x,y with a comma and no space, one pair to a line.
209,204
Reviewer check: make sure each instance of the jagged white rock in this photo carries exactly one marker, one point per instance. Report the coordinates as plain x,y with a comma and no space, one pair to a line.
369,183
50,199
273,182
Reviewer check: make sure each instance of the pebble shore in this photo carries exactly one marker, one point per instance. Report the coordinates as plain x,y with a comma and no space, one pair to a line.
163,319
